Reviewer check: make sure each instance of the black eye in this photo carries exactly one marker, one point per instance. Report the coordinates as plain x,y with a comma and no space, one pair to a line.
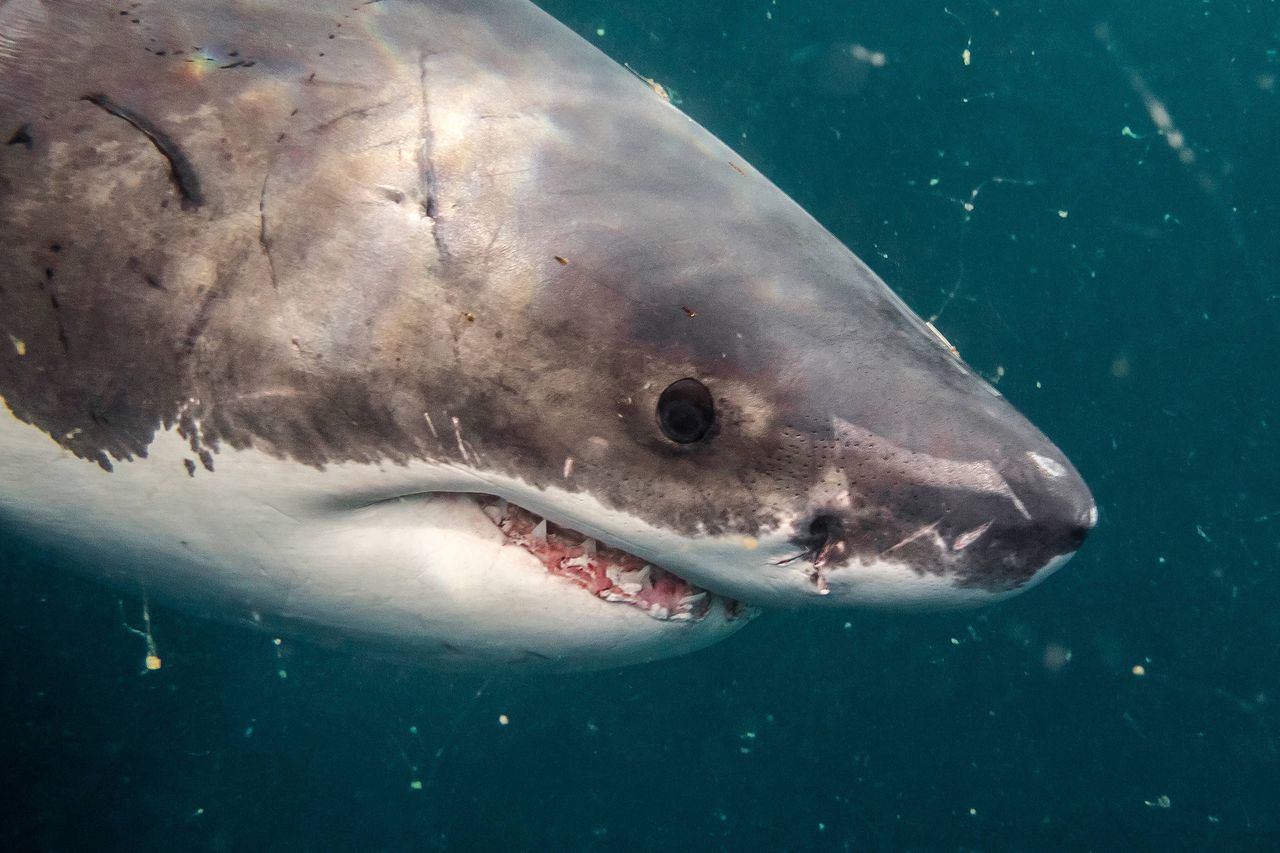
685,411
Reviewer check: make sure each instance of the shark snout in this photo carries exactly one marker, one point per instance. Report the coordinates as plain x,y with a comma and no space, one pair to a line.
1057,506
1060,507
946,529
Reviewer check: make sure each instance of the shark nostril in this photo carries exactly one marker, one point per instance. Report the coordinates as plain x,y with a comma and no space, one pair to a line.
825,527
1076,535
826,539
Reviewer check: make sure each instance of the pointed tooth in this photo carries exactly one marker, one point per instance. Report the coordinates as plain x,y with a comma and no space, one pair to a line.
612,573
540,532
589,547
630,588
493,514
681,617
645,575
693,598
659,612
503,506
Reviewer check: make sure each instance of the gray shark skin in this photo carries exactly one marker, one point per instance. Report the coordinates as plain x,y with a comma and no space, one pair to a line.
278,273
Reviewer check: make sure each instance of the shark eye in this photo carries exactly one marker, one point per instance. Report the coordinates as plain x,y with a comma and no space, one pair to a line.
685,411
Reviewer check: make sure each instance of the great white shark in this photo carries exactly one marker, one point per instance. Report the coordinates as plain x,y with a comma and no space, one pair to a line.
423,322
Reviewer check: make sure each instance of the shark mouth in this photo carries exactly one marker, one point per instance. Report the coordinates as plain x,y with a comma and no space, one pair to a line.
607,573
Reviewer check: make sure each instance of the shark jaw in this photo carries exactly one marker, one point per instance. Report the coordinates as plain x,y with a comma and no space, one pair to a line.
610,574
446,576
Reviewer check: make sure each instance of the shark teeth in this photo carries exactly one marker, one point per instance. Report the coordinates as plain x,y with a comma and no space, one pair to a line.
609,574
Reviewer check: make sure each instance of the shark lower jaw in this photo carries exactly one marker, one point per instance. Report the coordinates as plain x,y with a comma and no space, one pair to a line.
609,574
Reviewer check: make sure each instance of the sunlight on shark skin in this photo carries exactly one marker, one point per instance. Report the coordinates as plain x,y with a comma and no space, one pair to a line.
430,325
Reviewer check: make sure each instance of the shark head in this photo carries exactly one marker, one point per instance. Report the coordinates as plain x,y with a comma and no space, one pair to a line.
452,334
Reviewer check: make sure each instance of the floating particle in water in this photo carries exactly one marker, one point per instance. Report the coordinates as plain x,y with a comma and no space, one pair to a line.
1056,656
966,55
874,58
503,719
151,660
1139,670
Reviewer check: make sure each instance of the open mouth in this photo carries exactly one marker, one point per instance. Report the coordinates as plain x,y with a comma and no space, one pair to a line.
607,573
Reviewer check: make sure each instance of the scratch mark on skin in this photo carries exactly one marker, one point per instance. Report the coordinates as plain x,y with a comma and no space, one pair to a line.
457,433
430,203
57,315
354,112
277,509
183,173
266,394
263,239
431,426
497,232
197,327
964,540
923,531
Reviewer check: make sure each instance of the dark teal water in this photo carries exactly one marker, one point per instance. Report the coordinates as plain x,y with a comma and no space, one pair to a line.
1127,290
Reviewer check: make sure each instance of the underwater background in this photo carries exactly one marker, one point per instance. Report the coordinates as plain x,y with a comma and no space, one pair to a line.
1085,197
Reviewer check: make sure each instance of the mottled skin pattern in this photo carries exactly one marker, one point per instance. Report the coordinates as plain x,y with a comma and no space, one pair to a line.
411,212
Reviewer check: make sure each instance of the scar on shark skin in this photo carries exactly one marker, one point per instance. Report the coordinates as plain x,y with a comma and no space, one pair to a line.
22,136
183,173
